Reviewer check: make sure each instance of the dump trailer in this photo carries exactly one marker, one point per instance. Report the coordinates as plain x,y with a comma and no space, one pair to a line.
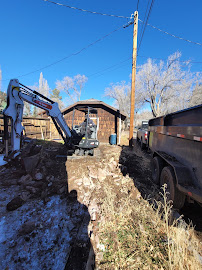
175,141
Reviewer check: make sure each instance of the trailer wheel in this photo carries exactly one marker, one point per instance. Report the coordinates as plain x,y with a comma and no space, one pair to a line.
168,177
157,166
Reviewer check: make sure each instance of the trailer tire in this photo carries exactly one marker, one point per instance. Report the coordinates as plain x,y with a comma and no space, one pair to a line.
156,168
168,177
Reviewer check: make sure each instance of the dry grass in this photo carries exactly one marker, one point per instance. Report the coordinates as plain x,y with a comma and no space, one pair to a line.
136,236
124,138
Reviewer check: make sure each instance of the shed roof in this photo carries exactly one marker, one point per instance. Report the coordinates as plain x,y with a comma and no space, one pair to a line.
91,102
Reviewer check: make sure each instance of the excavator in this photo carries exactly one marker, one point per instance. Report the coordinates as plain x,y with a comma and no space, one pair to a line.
78,138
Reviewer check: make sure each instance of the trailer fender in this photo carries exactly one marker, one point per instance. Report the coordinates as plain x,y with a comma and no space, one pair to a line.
183,175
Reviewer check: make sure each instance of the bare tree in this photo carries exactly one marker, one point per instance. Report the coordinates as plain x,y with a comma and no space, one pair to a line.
72,86
141,116
196,97
121,93
165,86
79,82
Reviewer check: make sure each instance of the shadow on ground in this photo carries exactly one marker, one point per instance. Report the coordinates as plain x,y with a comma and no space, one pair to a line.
136,163
81,246
51,224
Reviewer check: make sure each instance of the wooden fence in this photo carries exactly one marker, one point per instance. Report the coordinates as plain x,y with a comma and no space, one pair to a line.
35,128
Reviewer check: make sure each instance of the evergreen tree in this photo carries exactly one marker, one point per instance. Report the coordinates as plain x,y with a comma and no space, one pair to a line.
55,96
2,101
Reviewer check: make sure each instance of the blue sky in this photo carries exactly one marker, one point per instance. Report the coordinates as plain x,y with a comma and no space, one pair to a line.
35,34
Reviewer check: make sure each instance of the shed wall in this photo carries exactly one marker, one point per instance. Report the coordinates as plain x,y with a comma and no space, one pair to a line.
108,122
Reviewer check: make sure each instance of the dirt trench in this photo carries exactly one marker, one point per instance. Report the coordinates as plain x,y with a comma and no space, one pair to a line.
51,213
50,206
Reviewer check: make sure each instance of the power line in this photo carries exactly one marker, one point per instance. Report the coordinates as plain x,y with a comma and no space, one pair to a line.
156,58
107,68
137,4
100,74
175,36
125,17
150,9
130,58
144,19
92,12
73,54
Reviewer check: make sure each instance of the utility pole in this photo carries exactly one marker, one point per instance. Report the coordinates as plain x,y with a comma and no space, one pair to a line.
132,107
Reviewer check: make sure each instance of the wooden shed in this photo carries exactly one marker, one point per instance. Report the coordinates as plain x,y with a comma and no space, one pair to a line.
110,120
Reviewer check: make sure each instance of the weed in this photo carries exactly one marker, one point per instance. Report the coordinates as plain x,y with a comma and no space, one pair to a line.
136,236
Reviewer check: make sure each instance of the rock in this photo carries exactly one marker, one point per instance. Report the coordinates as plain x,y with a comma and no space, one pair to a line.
92,172
99,256
62,190
26,180
15,203
30,163
33,190
49,163
28,148
44,194
112,166
3,169
9,182
27,227
50,178
101,174
86,198
98,186
78,182
43,170
38,176
25,195
134,194
38,184
101,247
93,210
36,149
116,177
86,181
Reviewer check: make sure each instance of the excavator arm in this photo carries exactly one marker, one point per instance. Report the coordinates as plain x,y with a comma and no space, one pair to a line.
17,93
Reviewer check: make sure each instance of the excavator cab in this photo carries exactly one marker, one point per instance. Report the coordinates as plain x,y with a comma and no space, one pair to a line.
86,131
